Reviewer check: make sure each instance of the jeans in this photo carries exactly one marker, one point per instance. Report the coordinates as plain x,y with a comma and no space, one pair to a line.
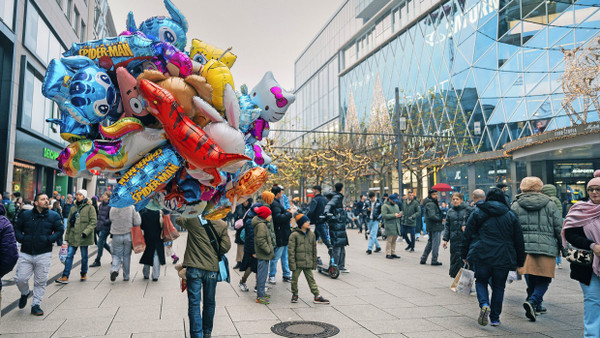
39,267
281,252
591,307
433,247
121,253
69,261
322,232
537,287
155,268
262,270
483,274
409,231
314,289
201,324
339,256
102,235
373,227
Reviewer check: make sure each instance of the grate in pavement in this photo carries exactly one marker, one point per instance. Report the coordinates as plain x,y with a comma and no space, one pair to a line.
298,329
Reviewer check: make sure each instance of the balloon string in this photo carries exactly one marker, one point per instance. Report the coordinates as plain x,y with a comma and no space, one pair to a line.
225,52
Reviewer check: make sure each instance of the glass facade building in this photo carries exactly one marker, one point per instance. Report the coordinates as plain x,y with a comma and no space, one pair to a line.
477,73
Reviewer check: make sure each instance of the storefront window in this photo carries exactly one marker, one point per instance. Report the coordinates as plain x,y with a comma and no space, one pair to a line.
24,180
490,173
571,178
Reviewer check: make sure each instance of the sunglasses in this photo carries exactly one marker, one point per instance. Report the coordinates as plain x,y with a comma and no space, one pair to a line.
593,190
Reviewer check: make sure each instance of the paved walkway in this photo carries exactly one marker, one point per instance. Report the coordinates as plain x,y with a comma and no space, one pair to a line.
379,297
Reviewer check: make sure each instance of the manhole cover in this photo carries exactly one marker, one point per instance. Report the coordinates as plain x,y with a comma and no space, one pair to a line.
305,329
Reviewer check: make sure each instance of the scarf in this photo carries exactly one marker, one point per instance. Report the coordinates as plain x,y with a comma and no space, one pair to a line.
587,216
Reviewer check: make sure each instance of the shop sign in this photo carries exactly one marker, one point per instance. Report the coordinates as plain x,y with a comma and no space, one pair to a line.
554,135
499,172
50,154
582,171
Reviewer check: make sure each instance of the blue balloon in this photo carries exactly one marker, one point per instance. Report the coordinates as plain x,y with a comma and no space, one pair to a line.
162,29
120,49
72,131
141,181
81,89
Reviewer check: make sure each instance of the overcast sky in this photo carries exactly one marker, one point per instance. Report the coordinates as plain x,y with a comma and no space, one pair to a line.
265,34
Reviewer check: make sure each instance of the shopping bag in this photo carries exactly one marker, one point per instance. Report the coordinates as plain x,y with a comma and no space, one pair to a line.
512,276
465,282
169,232
64,251
455,281
137,240
223,270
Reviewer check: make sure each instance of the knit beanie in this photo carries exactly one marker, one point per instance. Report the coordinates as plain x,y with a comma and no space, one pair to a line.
83,192
267,197
263,212
301,219
531,183
595,180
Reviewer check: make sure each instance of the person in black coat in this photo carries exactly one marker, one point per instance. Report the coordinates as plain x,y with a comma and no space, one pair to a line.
283,230
334,211
493,244
456,221
102,228
239,213
154,254
315,211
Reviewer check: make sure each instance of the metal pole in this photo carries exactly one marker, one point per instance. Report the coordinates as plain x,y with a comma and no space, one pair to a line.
397,111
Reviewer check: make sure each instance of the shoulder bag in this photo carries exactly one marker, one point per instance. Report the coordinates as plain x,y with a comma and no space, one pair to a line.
215,241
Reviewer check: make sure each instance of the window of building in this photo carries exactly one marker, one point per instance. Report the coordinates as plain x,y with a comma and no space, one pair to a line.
75,22
7,12
68,9
35,108
38,37
83,32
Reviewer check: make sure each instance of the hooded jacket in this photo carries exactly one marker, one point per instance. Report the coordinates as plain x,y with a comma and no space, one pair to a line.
493,237
9,254
36,232
302,250
103,217
85,223
281,222
433,215
550,191
541,223
411,212
455,219
390,221
263,246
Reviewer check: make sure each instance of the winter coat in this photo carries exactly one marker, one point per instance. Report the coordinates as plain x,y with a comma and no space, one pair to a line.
577,238
337,222
152,227
411,212
390,221
281,222
316,208
541,223
36,232
103,217
122,219
263,247
9,208
375,206
249,229
85,223
455,219
239,213
199,252
433,215
67,209
499,238
550,191
9,254
302,250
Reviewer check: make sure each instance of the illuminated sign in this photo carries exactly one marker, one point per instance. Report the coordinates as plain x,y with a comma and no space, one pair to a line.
50,154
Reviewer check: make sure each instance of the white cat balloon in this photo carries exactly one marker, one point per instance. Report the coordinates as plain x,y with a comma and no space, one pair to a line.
271,98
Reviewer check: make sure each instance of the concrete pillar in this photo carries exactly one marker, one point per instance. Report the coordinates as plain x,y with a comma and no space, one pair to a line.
471,177
513,178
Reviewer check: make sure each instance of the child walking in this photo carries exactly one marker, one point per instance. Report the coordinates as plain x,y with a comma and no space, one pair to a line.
263,251
302,253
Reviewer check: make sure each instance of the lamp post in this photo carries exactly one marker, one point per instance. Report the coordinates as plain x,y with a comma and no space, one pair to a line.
401,129
315,147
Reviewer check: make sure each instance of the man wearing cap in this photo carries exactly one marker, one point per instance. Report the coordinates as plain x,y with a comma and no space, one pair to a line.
433,219
390,212
80,234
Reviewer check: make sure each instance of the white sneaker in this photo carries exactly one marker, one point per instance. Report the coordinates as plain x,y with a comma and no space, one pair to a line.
266,289
243,287
272,280
344,270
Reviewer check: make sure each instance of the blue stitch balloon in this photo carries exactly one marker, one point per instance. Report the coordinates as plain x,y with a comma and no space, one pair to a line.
159,28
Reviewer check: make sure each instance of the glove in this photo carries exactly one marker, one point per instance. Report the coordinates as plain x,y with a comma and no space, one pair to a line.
83,235
110,236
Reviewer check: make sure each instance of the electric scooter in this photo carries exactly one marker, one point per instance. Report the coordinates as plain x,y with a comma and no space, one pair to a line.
332,269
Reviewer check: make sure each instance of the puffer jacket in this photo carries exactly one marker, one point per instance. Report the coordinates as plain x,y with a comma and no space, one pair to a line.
375,206
390,221
433,215
85,223
411,212
541,223
122,219
316,209
263,247
455,219
550,191
336,222
9,254
493,237
302,250
281,222
36,232
199,252
103,217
